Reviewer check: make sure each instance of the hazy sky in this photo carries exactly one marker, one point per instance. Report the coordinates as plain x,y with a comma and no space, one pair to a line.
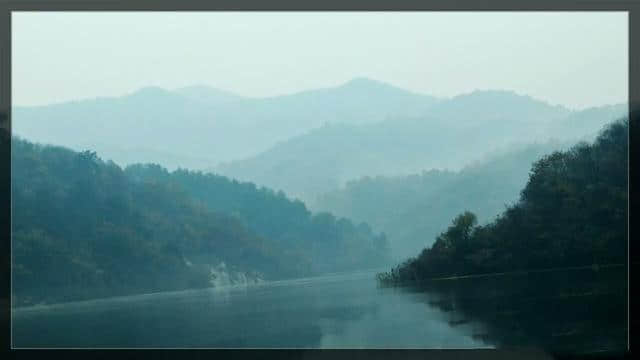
577,59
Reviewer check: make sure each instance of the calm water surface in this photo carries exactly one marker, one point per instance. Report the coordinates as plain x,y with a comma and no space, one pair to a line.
572,311
336,311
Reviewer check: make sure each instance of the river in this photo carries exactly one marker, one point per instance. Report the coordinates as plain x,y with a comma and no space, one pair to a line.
332,311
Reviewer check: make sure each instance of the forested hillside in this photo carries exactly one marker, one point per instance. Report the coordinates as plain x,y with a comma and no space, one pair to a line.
83,228
325,242
413,210
572,212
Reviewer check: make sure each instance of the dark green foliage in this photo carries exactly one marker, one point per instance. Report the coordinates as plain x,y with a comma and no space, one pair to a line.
320,242
84,228
572,212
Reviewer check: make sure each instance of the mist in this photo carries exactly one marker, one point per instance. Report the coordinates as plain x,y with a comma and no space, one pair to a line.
320,180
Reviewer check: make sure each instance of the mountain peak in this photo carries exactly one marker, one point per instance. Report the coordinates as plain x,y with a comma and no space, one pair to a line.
481,93
150,91
364,82
202,88
491,96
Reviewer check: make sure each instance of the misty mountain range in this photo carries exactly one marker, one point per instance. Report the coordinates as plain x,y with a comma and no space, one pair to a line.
412,210
198,127
453,134
380,172
306,143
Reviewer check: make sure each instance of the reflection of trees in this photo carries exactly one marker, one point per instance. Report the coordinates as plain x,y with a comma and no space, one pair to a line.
572,311
236,317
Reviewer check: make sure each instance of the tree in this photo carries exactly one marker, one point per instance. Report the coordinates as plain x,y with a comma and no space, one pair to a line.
572,212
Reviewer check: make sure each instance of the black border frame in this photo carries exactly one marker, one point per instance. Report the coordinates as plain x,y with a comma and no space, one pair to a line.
7,6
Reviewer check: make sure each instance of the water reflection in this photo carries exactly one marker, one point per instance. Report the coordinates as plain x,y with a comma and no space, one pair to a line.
400,320
576,311
337,311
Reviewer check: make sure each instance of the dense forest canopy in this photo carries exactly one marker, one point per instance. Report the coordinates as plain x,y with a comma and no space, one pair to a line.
84,228
330,243
572,212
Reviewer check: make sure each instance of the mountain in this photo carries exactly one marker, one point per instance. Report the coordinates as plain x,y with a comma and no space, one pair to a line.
450,135
498,105
359,101
412,210
322,241
573,211
586,124
197,127
81,229
208,95
148,124
557,256
84,228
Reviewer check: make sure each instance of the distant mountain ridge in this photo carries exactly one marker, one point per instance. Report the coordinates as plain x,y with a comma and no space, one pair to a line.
207,94
413,209
202,126
452,134
309,142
